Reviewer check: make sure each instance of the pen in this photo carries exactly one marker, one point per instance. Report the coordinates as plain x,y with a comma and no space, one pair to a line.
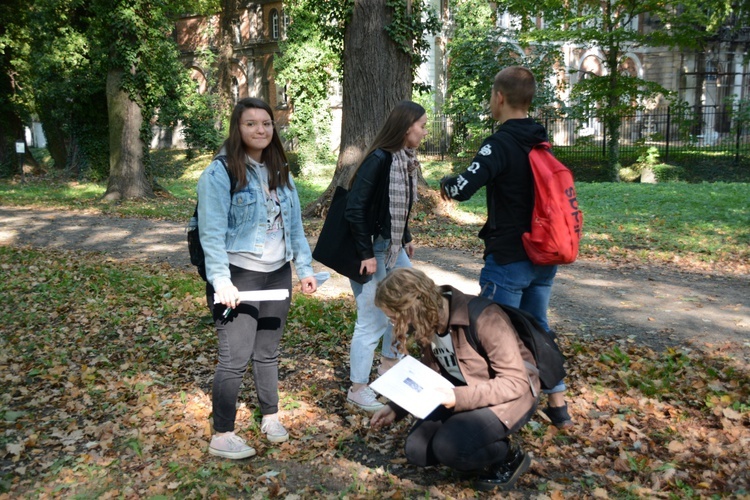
227,312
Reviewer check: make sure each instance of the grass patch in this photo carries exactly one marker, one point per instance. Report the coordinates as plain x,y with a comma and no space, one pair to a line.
702,224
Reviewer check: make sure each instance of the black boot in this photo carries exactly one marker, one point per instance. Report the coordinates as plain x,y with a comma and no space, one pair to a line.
559,416
504,474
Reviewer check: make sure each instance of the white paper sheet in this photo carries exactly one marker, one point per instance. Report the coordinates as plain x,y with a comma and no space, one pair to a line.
259,295
411,385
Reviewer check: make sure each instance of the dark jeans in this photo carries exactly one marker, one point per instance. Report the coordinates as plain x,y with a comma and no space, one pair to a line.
465,441
251,332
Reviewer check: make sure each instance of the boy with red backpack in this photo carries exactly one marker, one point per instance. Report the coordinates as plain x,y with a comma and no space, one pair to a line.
502,165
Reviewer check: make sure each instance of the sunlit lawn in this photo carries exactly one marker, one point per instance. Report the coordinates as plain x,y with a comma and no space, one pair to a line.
706,223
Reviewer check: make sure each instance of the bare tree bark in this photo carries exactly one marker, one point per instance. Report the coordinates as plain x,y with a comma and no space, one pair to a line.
127,176
56,145
377,75
225,53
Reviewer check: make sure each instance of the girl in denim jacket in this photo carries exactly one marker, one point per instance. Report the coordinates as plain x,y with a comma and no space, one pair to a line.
249,236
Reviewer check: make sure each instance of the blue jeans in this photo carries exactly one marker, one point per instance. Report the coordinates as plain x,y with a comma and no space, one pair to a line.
372,325
523,285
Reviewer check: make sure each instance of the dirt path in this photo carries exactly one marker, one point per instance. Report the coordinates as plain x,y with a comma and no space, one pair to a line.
655,306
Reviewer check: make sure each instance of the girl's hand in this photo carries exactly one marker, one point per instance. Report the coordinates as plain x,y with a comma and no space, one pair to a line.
368,266
308,285
449,397
409,248
229,296
383,417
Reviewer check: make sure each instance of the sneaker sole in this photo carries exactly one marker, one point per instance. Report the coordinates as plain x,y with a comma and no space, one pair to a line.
525,464
233,455
278,439
367,408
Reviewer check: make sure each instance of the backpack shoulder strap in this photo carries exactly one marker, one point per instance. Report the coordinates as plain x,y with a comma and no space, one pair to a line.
476,306
232,180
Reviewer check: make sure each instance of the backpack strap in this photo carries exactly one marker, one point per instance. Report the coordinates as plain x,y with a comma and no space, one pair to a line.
476,306
232,181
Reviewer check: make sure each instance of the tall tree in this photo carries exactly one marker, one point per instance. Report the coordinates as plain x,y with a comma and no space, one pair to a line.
69,87
610,26
99,74
381,45
16,96
143,70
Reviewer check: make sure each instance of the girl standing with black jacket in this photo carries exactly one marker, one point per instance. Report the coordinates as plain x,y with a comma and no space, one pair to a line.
382,192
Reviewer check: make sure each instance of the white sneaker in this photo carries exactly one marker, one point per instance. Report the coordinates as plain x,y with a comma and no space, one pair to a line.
273,429
230,445
365,398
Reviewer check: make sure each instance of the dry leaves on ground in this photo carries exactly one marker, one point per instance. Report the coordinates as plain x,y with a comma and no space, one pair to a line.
105,370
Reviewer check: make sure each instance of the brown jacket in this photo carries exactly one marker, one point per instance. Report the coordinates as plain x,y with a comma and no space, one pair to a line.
507,380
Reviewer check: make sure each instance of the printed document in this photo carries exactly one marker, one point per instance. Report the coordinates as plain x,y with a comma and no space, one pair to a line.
258,295
411,385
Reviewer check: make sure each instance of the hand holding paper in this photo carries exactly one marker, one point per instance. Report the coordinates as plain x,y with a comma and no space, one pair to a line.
414,387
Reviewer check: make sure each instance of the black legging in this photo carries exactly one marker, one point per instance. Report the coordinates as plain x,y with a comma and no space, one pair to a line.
465,441
251,333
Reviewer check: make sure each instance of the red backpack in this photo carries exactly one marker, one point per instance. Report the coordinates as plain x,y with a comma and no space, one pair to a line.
556,221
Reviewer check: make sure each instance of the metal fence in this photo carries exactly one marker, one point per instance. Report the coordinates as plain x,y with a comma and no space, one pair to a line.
722,129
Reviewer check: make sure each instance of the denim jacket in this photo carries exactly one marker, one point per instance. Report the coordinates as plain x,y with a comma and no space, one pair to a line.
238,223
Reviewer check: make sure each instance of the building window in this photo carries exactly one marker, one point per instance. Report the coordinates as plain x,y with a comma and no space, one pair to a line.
237,32
286,23
275,24
282,98
712,71
235,90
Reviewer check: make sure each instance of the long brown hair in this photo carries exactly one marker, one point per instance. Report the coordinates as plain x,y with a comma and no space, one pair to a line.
273,156
393,132
414,301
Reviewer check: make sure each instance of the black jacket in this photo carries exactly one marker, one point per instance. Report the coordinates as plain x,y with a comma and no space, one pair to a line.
367,207
502,164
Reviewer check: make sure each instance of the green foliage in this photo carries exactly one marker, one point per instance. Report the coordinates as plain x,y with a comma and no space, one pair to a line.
201,114
307,65
200,121
409,30
609,27
477,50
64,69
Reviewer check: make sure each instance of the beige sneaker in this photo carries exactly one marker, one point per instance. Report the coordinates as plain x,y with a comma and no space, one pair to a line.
272,428
230,445
365,398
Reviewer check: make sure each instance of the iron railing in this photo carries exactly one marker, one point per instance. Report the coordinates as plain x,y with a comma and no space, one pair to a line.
700,128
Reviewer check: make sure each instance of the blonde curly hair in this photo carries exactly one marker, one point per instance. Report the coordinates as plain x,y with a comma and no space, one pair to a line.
413,302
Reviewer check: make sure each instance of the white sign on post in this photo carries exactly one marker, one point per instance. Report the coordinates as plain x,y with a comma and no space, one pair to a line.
20,147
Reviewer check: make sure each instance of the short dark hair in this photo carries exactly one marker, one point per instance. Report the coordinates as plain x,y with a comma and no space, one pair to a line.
273,156
517,84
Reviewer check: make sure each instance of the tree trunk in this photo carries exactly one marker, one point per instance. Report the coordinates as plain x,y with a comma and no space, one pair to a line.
612,120
56,145
226,55
127,177
377,75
